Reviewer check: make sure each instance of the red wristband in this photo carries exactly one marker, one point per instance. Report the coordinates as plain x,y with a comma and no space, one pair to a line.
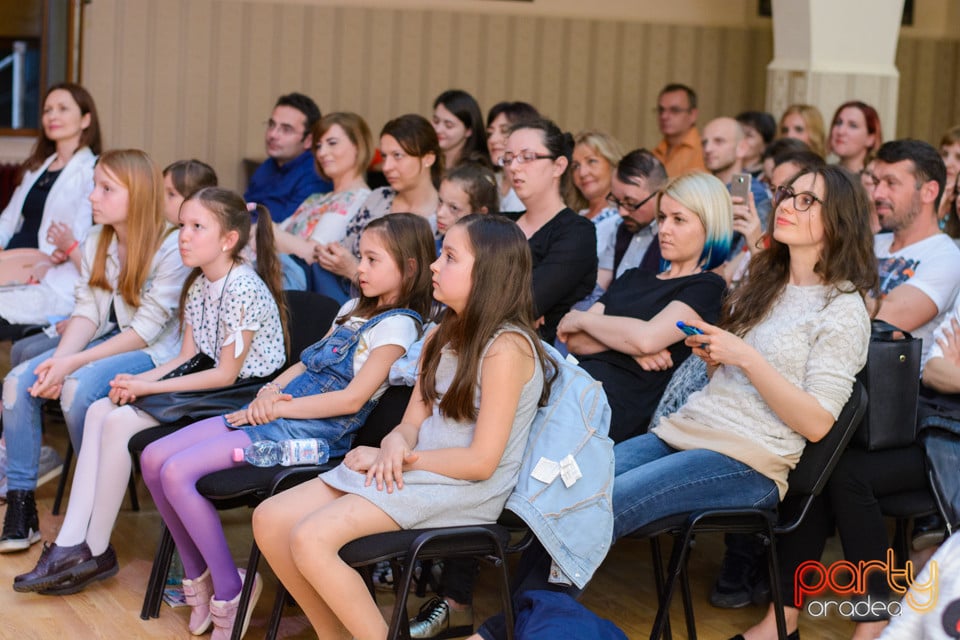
76,243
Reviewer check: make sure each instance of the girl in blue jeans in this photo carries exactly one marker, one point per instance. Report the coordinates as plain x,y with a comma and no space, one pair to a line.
328,395
124,321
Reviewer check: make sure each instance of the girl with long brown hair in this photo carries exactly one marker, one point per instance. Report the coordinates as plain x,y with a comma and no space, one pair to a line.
124,321
455,456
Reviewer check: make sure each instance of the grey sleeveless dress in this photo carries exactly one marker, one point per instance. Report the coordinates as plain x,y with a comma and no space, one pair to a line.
432,500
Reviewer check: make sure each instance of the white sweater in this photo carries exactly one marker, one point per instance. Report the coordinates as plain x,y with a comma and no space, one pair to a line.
818,344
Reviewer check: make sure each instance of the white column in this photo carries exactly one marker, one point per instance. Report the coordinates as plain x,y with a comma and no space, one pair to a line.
829,51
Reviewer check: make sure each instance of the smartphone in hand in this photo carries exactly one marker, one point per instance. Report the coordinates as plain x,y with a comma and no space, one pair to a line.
687,329
740,186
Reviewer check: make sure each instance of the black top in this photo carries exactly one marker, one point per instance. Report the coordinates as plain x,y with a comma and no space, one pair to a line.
632,392
564,266
32,212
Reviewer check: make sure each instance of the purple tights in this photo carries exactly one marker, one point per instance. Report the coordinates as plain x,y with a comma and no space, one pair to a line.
171,467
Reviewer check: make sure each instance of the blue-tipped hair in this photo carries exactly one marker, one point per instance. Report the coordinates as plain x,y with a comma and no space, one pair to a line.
707,197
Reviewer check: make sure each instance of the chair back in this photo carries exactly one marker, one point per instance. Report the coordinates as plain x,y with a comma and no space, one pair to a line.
311,315
820,458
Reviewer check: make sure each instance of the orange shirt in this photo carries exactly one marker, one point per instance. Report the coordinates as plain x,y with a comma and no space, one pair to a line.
685,156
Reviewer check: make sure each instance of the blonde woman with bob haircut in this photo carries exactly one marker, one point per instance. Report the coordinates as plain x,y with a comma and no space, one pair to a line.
804,122
595,159
124,321
637,316
342,150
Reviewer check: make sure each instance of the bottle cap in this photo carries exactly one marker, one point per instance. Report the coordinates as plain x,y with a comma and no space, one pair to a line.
238,455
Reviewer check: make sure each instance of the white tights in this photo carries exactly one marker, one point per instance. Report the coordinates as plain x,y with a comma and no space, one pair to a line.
100,479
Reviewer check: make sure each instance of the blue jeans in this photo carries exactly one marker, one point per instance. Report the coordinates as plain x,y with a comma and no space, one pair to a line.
31,347
654,480
21,411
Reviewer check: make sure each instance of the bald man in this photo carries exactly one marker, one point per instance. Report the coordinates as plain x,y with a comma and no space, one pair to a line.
724,149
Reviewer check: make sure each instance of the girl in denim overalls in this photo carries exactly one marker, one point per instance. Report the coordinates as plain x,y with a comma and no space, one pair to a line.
328,394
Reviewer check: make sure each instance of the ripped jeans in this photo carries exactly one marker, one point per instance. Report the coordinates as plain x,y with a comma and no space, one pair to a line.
21,411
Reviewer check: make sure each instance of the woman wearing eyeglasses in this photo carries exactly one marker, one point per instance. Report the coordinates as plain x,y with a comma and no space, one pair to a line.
564,244
783,364
638,314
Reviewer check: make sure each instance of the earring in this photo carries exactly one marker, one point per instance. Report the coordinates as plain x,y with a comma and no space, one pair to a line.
224,249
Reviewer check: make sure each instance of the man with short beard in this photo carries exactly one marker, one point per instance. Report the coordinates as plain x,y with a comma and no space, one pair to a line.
919,265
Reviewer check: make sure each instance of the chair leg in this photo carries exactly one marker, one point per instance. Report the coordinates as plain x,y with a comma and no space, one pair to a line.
273,626
657,560
506,599
62,484
687,603
158,576
677,558
132,490
776,595
399,622
252,563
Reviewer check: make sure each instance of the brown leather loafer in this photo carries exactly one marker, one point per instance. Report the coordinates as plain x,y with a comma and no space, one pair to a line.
98,568
55,565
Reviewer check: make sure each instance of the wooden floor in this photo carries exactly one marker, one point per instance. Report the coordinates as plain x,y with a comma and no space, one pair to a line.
622,590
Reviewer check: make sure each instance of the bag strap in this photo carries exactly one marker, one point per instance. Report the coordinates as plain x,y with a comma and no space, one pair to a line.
883,330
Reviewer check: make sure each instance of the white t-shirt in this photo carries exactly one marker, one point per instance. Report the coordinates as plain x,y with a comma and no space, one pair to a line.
935,351
932,266
400,330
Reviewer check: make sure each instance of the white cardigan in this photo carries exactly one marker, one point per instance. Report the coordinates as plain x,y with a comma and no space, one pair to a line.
67,201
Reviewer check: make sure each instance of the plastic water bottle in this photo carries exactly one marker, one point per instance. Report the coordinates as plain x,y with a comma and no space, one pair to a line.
267,453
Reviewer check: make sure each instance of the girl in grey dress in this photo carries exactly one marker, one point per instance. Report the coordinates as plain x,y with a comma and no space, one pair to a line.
455,456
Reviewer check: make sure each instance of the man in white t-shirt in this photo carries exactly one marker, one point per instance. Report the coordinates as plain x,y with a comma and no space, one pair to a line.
919,265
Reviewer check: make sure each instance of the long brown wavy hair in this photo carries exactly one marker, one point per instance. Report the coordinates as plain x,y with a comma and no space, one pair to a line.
847,261
501,294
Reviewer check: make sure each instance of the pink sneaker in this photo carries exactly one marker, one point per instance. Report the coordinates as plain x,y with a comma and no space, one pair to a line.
225,613
197,593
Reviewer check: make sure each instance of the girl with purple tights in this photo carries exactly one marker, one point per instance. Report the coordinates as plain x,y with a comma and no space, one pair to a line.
328,394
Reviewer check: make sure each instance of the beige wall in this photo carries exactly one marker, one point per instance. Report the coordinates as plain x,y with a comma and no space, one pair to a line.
184,78
197,78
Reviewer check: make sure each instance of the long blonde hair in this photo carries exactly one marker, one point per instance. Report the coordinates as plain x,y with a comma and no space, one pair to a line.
146,226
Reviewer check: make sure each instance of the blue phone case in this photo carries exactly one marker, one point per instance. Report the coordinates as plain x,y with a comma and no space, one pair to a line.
687,329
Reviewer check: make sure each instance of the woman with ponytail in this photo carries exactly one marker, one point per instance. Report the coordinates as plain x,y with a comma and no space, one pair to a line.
564,244
233,332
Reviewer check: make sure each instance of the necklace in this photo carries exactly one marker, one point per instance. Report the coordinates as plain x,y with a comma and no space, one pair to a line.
203,311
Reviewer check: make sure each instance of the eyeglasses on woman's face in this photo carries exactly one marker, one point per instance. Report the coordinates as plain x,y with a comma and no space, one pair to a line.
523,157
801,201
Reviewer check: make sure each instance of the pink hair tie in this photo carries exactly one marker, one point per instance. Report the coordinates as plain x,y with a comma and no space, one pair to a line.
251,206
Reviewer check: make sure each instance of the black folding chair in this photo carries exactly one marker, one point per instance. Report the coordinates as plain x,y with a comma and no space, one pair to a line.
806,482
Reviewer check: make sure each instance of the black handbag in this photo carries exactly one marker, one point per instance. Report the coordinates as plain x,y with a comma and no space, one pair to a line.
174,405
892,379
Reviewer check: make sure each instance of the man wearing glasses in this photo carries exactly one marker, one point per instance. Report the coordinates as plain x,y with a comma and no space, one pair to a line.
638,178
288,176
680,150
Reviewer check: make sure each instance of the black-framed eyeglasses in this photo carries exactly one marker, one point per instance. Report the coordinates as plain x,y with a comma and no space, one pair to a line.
801,201
523,157
627,206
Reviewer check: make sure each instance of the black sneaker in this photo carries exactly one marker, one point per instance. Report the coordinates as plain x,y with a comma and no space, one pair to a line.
735,585
928,531
21,526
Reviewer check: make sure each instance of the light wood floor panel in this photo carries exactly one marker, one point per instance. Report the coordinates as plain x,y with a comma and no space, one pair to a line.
622,590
